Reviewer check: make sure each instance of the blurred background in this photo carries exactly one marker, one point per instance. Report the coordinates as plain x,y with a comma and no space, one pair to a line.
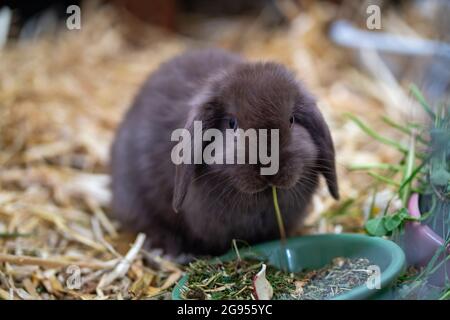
63,90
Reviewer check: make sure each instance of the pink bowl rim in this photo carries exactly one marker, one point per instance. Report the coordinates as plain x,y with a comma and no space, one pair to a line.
414,211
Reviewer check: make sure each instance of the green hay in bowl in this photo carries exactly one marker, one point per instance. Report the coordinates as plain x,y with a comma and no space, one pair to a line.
220,280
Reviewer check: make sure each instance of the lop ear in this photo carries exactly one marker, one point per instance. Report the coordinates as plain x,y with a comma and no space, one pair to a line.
184,172
183,177
312,120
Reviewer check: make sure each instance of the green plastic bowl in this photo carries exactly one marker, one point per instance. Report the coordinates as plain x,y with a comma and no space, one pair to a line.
315,251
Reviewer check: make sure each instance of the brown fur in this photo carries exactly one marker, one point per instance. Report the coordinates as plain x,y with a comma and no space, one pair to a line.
217,203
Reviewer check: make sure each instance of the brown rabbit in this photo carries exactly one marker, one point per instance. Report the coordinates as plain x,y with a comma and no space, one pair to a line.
199,208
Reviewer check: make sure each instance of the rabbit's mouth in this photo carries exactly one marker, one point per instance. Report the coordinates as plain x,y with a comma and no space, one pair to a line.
259,183
253,187
284,179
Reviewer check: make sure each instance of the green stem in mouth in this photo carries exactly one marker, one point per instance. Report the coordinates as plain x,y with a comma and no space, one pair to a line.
278,214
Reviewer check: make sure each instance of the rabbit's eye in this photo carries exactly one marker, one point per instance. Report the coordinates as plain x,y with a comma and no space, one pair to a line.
232,123
291,120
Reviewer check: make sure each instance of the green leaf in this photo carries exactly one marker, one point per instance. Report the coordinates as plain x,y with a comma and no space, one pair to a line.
369,166
369,131
407,129
408,170
419,97
384,225
445,296
440,177
383,179
403,213
375,227
392,222
411,176
7,235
